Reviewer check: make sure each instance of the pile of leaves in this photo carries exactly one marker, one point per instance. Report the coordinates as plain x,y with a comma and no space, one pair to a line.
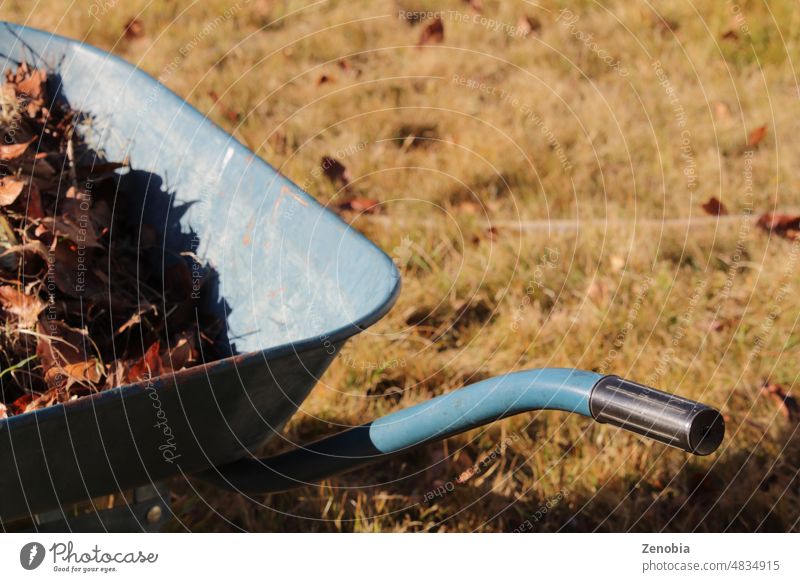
82,311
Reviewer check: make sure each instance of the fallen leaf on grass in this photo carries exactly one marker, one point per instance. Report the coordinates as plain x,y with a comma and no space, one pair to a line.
785,225
756,136
363,205
717,324
134,29
788,404
335,170
714,207
528,24
433,33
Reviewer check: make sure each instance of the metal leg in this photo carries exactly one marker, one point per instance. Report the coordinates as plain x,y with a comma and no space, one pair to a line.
149,511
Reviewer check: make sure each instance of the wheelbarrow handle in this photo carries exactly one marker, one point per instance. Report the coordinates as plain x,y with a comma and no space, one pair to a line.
670,419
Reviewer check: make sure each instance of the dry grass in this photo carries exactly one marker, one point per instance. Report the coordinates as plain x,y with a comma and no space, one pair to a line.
558,134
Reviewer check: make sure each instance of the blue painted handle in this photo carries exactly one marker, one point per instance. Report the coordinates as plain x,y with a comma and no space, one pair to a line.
552,388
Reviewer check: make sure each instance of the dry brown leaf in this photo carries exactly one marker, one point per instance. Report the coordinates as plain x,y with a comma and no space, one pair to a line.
756,136
714,207
363,205
32,85
433,33
59,344
529,24
34,208
787,403
78,231
25,307
785,225
10,189
12,151
180,355
88,371
34,246
335,171
134,29
148,366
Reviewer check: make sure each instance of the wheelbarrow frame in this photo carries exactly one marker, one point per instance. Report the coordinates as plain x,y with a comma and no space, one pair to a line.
210,420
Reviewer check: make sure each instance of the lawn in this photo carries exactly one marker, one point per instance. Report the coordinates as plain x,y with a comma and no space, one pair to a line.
561,184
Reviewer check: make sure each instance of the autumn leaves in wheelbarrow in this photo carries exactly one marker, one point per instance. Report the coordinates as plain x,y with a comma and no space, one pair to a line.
86,305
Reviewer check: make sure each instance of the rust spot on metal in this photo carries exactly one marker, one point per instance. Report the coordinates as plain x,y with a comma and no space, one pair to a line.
247,238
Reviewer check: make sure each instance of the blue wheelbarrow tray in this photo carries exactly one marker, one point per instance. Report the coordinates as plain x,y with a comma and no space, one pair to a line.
295,282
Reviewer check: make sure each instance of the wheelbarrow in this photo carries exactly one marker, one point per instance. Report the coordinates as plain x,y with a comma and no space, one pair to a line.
295,283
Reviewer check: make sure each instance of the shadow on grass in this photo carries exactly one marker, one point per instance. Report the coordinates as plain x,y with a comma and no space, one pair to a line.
744,491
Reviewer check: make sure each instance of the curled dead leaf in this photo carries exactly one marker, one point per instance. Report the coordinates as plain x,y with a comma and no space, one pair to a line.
714,207
181,355
25,307
756,136
59,344
785,225
89,371
10,189
363,205
148,366
31,83
528,25
134,29
788,404
433,33
335,170
12,151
